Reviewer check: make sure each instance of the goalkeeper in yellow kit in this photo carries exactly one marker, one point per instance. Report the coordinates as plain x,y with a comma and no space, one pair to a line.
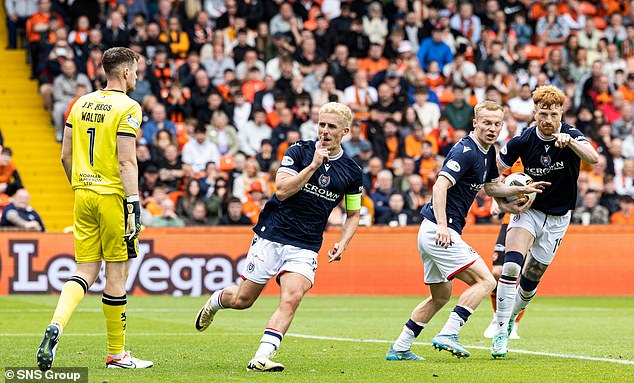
99,158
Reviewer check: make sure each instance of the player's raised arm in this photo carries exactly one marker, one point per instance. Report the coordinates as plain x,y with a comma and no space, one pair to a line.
579,145
290,179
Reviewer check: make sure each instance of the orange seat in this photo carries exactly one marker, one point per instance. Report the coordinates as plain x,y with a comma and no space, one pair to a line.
587,8
600,23
175,195
533,52
445,96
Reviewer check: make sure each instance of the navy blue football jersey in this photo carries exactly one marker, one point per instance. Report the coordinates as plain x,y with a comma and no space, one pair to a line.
301,219
545,162
468,166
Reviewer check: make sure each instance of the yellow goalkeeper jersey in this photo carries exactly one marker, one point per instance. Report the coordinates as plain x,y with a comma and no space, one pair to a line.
96,120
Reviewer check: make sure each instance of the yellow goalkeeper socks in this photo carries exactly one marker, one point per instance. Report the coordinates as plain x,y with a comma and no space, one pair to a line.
114,311
73,292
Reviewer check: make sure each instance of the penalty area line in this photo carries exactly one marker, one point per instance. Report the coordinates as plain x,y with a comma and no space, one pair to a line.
528,352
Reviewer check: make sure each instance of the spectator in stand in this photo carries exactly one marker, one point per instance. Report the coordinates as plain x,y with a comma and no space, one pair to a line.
20,214
171,171
253,133
18,12
308,129
375,24
625,214
459,113
187,70
552,29
415,196
434,49
591,213
217,202
265,157
352,144
385,188
223,135
242,184
199,151
10,181
115,33
64,91
186,202
168,218
427,113
199,215
234,216
522,106
255,202
158,122
397,214
176,38
217,65
37,28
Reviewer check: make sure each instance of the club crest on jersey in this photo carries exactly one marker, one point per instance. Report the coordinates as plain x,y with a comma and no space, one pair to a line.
250,267
545,160
324,180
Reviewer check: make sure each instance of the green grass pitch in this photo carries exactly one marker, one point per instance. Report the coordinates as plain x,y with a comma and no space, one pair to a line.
161,328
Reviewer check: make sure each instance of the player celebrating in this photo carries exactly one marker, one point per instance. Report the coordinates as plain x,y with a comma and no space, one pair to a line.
469,166
99,158
550,151
311,181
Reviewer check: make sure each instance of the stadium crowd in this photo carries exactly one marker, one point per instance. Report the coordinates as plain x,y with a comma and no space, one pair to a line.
227,86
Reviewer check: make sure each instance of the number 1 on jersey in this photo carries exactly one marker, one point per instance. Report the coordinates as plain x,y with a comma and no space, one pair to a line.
91,132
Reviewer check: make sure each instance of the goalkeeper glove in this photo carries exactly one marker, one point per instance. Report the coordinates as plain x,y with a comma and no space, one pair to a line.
132,218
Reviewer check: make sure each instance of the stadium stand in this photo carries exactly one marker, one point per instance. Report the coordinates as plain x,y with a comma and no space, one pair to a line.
234,83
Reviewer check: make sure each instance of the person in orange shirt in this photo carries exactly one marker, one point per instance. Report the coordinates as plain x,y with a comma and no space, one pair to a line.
625,215
255,202
177,39
37,28
375,62
427,166
393,142
628,88
414,142
10,181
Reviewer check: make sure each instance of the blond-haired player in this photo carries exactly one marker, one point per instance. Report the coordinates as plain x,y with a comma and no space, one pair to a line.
469,166
99,158
550,151
313,178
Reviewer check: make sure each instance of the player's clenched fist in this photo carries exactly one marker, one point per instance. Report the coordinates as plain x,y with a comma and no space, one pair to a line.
133,218
321,154
563,139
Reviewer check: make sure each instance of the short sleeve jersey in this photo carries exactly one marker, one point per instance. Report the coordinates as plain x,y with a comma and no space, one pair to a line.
468,166
96,120
301,219
545,162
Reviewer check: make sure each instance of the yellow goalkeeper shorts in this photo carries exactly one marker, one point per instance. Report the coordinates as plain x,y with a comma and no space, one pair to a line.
99,226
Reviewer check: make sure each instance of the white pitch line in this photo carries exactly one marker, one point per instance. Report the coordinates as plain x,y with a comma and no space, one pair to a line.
307,309
556,355
318,337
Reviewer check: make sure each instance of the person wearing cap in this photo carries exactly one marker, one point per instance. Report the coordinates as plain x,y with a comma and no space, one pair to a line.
434,49
254,204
